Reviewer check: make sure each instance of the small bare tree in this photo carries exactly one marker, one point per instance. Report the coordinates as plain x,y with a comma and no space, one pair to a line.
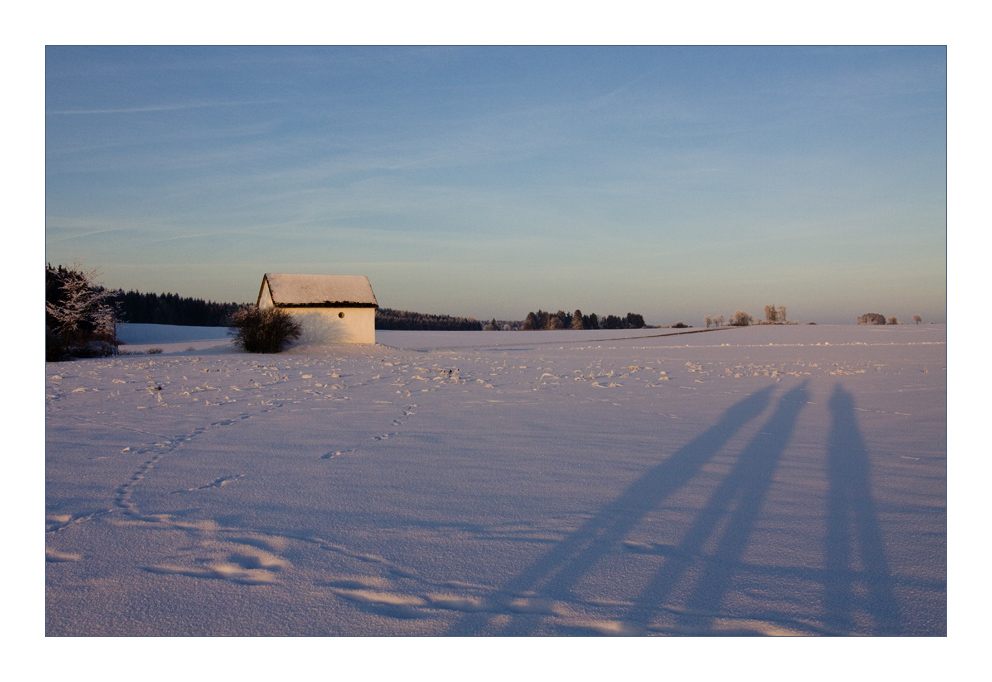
917,319
892,320
718,320
771,313
708,320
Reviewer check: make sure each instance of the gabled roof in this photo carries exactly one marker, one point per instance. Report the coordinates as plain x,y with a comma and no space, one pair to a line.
319,291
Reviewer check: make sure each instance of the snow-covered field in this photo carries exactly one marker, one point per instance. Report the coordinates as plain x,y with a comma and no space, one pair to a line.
764,480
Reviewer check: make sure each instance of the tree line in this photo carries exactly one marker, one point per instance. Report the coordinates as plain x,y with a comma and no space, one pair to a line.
172,309
405,320
563,320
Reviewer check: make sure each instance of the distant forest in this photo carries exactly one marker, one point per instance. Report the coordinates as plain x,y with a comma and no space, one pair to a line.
387,318
171,309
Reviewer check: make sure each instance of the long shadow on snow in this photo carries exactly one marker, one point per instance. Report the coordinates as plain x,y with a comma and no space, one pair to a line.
732,511
561,568
852,523
743,490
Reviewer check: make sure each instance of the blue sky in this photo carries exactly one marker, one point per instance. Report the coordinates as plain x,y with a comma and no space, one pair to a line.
489,182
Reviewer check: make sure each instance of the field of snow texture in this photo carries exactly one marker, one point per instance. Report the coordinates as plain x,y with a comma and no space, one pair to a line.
763,480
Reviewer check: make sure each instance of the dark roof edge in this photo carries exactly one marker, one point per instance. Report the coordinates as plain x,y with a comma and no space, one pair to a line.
328,304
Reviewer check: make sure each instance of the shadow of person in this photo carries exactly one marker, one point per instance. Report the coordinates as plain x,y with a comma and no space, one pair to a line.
558,571
858,578
728,521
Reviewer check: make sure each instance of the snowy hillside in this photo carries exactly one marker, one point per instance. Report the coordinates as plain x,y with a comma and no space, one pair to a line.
763,480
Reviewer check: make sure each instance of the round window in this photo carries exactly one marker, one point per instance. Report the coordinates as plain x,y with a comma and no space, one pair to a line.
340,314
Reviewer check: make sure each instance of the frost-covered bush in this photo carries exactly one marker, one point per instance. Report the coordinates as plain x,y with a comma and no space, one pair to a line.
872,318
263,331
740,319
892,320
78,313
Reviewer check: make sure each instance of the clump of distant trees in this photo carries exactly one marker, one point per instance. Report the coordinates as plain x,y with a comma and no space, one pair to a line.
387,318
561,320
773,315
738,319
878,318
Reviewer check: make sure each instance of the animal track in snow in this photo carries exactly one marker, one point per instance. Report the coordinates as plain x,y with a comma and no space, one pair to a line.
408,411
216,483
335,453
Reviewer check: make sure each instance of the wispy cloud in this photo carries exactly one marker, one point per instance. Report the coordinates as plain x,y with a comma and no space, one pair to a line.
57,234
159,107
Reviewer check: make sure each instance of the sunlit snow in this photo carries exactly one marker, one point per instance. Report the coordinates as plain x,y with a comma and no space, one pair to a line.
763,480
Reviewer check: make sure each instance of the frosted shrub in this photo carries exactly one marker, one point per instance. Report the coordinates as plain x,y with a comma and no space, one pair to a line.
872,318
740,319
263,331
78,314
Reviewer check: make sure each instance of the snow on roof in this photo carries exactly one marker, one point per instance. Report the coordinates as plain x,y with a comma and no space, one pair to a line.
320,290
